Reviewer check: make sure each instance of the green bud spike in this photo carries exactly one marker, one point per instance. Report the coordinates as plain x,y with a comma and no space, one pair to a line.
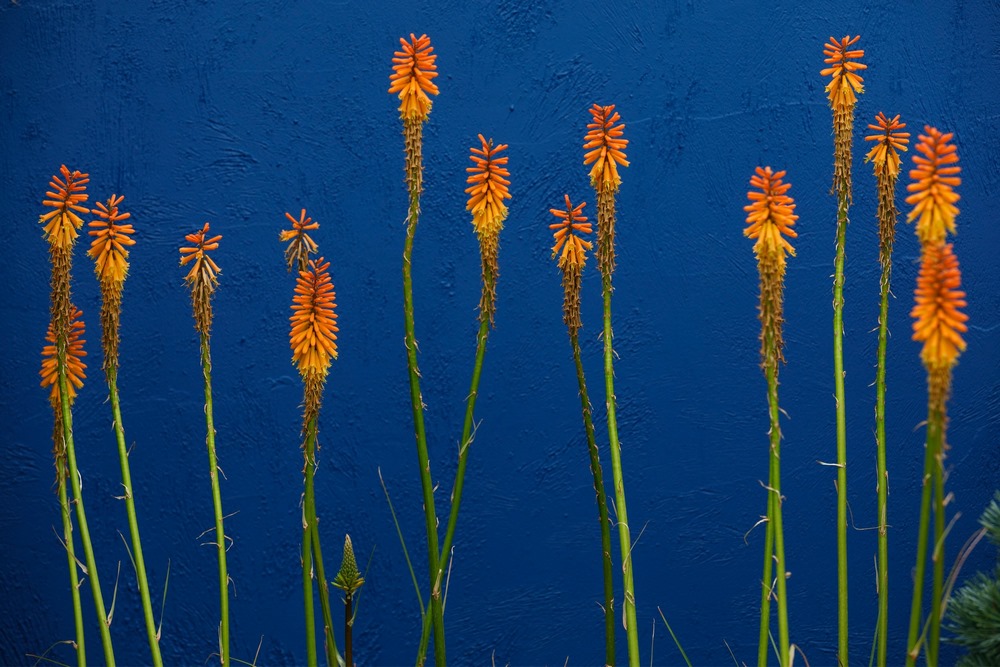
349,579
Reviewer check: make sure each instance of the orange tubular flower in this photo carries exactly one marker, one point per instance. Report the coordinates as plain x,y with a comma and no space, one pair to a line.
62,223
74,360
111,237
314,322
939,324
301,246
605,147
487,188
574,247
204,270
846,82
770,215
885,154
934,180
412,73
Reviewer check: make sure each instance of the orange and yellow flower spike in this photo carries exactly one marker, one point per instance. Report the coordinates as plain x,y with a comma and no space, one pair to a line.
202,278
111,238
569,239
66,199
884,155
845,81
314,323
488,188
301,246
934,179
413,70
770,216
605,147
568,234
939,324
75,373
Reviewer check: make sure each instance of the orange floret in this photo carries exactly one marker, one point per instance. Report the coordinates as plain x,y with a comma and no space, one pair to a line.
204,270
62,223
314,322
413,70
488,188
301,246
111,237
770,216
605,147
74,360
934,179
567,235
845,82
885,153
939,323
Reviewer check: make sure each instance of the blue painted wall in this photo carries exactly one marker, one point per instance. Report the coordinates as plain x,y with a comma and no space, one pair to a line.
236,112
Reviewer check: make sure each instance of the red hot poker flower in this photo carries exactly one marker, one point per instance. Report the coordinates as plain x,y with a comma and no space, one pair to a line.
605,147
62,223
111,237
770,214
938,322
572,223
314,323
934,179
74,360
413,70
885,153
845,82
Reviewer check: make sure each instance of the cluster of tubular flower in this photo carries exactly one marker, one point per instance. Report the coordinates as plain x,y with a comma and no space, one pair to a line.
314,330
938,322
571,248
203,276
488,188
842,91
605,149
112,235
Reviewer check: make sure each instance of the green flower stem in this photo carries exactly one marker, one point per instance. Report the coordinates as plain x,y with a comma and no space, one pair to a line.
220,534
602,504
764,638
838,372
74,579
412,132
81,515
882,474
133,521
937,585
934,436
309,507
624,535
775,515
307,588
463,453
348,631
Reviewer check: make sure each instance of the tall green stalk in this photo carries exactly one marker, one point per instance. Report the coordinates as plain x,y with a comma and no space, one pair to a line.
220,534
621,512
133,522
311,525
933,445
81,515
838,373
307,589
602,504
775,515
413,134
764,636
67,521
463,452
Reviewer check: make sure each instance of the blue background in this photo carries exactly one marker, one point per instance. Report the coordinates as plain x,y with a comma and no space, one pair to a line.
236,112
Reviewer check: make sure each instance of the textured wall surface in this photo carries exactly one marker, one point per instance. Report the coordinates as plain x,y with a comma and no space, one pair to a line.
235,112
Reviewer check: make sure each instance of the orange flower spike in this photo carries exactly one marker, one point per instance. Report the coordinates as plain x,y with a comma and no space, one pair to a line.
111,238
770,216
488,188
204,270
301,246
413,70
314,323
605,147
939,323
845,82
74,360
573,246
885,153
62,223
934,179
